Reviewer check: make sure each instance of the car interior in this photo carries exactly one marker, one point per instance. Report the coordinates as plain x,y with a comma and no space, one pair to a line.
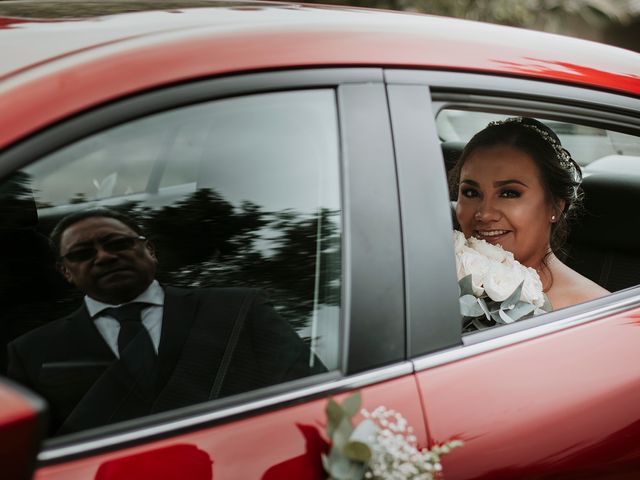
601,245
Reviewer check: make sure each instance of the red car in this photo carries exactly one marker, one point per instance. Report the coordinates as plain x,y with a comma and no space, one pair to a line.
302,151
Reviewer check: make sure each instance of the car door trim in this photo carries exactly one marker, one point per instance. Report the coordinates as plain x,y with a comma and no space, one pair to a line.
428,297
467,85
492,339
57,454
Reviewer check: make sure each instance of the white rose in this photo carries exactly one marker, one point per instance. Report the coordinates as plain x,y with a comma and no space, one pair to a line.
501,280
494,252
470,262
459,241
532,288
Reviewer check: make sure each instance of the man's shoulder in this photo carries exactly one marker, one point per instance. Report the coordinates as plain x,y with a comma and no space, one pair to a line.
50,331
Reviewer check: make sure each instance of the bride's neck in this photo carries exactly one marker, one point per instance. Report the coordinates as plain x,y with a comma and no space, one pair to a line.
544,268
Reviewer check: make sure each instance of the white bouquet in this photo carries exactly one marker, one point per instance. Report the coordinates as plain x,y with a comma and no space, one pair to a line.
494,287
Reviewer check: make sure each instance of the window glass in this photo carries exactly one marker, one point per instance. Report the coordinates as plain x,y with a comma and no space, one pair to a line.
584,250
238,207
586,144
115,163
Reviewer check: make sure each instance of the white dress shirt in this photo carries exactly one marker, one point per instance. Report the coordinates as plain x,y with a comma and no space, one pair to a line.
151,316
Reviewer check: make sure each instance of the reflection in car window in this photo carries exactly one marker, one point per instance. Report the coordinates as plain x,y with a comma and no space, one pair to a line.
239,196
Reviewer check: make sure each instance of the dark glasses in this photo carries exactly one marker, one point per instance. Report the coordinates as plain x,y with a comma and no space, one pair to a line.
111,245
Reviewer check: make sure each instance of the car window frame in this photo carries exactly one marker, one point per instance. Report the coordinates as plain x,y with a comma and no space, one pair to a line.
374,272
513,96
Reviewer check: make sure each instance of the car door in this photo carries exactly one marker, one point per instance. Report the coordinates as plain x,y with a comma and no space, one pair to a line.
282,181
554,396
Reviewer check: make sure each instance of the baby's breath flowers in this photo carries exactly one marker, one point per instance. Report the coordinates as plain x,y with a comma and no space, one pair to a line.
382,446
396,455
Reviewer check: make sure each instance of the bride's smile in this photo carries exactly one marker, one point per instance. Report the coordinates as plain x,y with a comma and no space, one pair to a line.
491,236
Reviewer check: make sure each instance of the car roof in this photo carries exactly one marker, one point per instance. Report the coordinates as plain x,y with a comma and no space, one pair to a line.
59,67
373,37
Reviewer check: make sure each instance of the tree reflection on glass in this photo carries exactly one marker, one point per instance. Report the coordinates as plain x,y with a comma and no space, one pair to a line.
205,241
202,241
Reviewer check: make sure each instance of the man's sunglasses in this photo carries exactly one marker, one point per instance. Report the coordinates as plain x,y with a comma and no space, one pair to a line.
112,245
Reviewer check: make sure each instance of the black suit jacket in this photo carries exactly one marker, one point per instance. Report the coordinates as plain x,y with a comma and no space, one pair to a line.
214,343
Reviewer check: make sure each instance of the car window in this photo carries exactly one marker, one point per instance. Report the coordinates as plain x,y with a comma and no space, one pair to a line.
238,207
597,245
595,148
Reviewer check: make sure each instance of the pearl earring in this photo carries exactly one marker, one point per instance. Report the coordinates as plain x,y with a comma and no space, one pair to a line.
553,218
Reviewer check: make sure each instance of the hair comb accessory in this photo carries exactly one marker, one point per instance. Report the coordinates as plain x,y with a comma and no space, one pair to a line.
564,158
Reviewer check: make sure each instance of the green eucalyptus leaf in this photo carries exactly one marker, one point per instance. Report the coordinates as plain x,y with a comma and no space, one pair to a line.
360,444
521,309
480,323
351,404
493,306
326,464
513,299
495,316
334,416
504,316
357,451
547,307
466,285
342,433
341,468
485,308
469,306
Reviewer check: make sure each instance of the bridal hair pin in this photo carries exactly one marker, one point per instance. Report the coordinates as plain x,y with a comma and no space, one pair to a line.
563,156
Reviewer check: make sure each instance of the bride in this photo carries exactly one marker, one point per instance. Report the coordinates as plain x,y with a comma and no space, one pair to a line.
518,187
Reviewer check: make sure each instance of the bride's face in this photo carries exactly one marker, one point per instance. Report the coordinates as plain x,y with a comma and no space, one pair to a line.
501,199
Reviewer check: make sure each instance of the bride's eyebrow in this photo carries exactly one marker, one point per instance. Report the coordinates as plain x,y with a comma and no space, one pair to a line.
473,183
502,183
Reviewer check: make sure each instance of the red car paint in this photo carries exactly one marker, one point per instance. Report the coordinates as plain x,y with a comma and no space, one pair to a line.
19,425
39,93
540,418
285,443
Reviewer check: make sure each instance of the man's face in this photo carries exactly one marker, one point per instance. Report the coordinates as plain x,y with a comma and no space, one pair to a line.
111,275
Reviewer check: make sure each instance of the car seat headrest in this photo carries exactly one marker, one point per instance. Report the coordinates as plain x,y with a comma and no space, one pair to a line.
611,213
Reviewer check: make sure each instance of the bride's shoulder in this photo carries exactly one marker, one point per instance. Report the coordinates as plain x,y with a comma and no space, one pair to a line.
570,287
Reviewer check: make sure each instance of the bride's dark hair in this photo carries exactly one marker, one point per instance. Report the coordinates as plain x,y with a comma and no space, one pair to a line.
561,175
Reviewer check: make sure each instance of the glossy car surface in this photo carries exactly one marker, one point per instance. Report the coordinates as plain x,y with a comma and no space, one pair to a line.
554,396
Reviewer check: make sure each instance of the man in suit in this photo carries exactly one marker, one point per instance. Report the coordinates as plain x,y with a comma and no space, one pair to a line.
135,347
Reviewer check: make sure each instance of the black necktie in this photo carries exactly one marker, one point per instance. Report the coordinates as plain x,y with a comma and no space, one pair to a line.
129,317
135,346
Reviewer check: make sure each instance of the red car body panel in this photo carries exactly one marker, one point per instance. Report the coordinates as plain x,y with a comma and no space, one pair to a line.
19,427
566,403
534,420
286,443
96,70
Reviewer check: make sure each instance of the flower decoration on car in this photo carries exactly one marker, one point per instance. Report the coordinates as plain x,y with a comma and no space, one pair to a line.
381,447
494,287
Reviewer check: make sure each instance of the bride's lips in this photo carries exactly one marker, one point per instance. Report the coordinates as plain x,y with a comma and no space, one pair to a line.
492,236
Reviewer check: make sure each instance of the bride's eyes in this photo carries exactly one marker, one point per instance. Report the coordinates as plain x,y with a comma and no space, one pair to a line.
469,192
508,193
